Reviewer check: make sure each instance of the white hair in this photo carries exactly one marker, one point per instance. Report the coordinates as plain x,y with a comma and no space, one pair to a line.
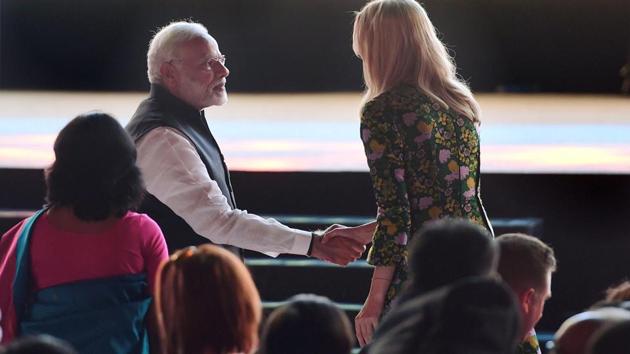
166,41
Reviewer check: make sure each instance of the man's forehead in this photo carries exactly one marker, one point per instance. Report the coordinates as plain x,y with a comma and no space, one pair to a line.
199,47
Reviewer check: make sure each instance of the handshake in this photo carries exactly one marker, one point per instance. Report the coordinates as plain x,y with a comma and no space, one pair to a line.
341,244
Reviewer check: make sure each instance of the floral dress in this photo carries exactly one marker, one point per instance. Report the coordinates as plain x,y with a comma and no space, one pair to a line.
424,165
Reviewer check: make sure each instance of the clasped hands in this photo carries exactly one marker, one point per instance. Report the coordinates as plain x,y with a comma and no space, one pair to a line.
341,244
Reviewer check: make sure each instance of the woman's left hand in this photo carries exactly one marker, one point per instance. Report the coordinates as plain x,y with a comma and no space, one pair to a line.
368,318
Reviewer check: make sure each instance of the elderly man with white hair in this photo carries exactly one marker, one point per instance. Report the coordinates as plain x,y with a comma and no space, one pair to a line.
187,182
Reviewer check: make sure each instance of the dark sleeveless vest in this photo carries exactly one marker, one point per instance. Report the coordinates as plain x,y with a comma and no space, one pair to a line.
162,109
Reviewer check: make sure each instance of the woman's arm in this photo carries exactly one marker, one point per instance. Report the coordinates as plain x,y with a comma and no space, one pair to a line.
383,146
368,317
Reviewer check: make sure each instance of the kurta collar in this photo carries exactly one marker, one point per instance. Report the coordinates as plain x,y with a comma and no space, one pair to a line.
161,94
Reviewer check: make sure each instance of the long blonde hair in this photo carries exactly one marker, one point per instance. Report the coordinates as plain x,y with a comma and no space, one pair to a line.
399,45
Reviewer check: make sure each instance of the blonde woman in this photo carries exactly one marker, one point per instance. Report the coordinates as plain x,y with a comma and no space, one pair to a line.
419,129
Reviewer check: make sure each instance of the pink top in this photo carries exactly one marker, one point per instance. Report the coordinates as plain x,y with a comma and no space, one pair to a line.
135,244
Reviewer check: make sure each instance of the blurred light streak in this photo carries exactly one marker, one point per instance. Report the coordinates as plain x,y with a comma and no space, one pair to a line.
520,133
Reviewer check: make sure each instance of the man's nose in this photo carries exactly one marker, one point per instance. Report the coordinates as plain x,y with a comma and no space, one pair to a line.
223,71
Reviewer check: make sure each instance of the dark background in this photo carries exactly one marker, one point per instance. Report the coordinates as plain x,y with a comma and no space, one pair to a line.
305,45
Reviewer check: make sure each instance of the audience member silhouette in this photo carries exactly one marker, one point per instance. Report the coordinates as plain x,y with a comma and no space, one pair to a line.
307,324
82,268
612,339
453,303
41,344
526,265
575,334
207,303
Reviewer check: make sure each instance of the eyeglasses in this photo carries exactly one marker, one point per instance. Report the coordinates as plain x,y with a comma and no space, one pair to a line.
219,59
209,64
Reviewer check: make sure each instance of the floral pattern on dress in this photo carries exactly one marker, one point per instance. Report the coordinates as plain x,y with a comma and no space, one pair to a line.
424,165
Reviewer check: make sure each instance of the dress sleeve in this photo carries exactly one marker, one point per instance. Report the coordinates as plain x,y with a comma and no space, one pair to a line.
174,173
154,250
383,146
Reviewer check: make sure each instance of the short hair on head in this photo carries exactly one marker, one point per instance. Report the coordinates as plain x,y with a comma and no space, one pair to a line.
167,40
307,324
450,249
206,302
95,170
524,261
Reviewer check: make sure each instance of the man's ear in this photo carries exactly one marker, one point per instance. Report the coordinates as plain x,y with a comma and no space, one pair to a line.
167,73
526,298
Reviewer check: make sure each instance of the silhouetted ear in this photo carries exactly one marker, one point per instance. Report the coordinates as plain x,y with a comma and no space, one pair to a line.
167,71
526,299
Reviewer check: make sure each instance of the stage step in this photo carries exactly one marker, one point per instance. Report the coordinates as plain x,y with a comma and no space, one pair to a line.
279,279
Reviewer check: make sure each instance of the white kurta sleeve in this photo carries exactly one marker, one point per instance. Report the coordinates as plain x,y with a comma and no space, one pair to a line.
174,173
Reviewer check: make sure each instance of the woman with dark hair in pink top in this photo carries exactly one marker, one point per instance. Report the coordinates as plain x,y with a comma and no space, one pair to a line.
82,268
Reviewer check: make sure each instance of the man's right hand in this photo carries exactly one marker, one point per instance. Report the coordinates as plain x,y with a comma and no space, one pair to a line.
340,250
361,234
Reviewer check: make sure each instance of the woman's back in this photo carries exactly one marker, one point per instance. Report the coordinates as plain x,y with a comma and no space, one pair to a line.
132,244
82,269
421,152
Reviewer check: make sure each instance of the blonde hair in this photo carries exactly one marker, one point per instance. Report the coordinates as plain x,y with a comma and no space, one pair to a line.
206,302
399,45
